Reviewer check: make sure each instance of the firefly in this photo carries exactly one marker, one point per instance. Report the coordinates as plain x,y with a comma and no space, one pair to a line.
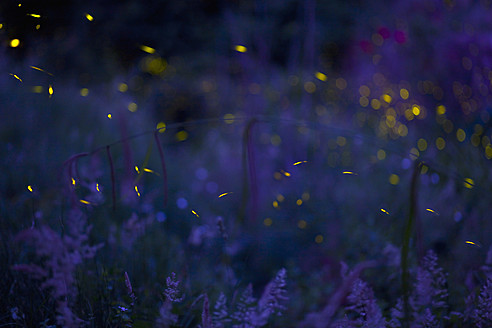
349,173
300,162
472,243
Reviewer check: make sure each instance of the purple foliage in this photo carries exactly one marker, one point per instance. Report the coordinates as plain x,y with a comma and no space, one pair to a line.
60,256
220,316
172,291
480,308
361,301
206,318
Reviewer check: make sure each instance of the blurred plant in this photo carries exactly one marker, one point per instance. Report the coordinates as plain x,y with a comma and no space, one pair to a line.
57,258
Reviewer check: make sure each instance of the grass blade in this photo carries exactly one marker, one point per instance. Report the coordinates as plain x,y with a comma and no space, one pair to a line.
113,188
163,164
407,235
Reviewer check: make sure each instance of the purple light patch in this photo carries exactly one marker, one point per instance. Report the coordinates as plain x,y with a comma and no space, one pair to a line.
400,37
201,173
182,203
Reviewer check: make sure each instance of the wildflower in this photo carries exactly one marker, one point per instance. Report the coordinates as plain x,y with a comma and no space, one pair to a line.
244,309
206,319
274,293
430,288
220,316
172,290
482,314
166,317
129,287
363,303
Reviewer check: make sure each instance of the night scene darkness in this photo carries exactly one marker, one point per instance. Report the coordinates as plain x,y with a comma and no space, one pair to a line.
246,163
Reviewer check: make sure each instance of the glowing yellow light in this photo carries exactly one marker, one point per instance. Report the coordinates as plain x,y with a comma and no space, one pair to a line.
14,43
73,182
38,27
414,153
460,135
404,94
276,140
147,49
300,162
287,174
424,169
469,183
472,243
275,204
488,151
416,110
41,70
136,169
84,92
83,201
29,188
268,222
318,239
320,76
97,187
196,214
364,91
1,26
89,17
299,202
341,141
422,144
50,90
387,98
409,114
341,83
310,87
384,211
182,135
364,101
280,198
402,130
154,65
375,104
34,15
240,48
17,77
224,194
441,110
132,107
394,179
349,173
432,211
301,224
381,154
440,143
109,115
136,190
161,126
229,118
123,87
149,171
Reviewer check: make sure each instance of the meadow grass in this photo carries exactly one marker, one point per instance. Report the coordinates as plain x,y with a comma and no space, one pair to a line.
315,193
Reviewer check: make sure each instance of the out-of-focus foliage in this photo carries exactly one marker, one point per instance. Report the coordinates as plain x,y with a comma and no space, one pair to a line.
288,135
